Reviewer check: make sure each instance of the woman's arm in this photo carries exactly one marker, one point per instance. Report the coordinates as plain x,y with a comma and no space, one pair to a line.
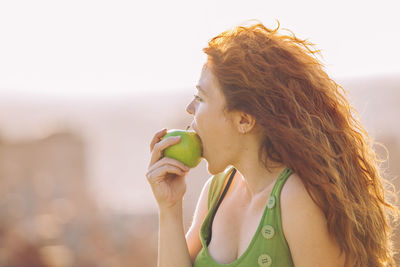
171,227
166,177
172,247
305,228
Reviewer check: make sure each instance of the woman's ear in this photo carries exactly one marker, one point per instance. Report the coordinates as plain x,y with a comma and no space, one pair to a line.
245,122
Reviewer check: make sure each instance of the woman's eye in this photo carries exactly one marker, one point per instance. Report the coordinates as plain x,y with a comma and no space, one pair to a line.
197,97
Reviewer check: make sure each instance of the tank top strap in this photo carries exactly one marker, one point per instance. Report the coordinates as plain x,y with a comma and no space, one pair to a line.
276,191
216,186
272,216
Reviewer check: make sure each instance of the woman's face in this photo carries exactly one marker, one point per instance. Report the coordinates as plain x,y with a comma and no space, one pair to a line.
215,128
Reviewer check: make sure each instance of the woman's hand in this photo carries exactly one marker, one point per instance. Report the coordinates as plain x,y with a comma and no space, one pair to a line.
165,175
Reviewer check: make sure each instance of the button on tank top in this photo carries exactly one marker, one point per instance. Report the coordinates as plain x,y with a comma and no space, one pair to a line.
268,246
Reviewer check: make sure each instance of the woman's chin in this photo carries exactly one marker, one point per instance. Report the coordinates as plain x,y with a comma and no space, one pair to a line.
213,170
210,167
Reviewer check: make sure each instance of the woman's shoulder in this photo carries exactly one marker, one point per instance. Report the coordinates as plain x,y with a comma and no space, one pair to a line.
293,188
297,205
305,227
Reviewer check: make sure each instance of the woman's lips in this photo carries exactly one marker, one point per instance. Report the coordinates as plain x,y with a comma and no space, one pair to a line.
194,128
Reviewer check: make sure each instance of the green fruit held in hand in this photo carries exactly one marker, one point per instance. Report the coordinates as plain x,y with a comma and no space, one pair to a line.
188,150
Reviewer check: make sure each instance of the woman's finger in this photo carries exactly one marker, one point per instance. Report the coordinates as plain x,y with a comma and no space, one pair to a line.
169,161
159,174
157,153
157,138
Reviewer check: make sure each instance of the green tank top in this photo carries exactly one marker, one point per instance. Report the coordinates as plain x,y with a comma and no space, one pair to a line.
268,246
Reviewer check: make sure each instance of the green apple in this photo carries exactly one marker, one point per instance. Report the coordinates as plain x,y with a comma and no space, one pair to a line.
188,150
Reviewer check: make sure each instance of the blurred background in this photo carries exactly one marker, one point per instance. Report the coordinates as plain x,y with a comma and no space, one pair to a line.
84,85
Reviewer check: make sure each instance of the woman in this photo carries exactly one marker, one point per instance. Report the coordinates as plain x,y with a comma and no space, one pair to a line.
295,180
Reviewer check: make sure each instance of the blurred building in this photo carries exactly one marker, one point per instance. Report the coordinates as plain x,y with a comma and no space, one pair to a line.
48,217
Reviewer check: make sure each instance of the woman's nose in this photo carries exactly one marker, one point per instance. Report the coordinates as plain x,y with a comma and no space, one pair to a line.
189,108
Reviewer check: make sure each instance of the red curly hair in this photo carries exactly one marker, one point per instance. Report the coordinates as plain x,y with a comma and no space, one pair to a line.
310,126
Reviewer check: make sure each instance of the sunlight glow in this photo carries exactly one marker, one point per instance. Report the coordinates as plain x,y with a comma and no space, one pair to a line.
117,47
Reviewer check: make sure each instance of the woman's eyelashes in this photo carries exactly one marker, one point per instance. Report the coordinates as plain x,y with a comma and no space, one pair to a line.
196,97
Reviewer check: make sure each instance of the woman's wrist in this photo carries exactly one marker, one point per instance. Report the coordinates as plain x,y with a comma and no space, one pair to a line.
170,211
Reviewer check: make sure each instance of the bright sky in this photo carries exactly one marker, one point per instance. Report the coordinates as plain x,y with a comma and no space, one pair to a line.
104,47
